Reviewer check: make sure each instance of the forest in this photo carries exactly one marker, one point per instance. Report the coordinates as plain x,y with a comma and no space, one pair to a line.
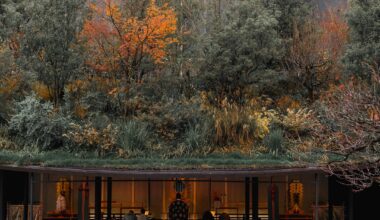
192,83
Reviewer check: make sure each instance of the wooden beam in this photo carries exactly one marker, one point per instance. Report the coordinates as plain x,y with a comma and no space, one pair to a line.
98,198
109,198
166,174
255,198
247,198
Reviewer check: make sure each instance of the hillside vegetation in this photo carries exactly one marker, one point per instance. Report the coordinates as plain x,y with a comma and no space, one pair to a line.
151,83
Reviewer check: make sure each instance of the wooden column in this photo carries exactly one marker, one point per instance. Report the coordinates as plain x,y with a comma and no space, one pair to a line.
330,198
255,198
26,195
2,213
351,205
247,198
109,198
316,217
209,194
149,195
31,175
42,193
98,198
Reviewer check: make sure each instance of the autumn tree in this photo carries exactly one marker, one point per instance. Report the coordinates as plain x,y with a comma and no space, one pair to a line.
315,52
350,133
120,42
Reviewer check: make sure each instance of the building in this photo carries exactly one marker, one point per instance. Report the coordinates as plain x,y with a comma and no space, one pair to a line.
291,193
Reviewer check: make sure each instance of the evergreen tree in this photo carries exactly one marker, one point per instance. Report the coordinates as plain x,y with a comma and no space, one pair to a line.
250,42
290,14
362,56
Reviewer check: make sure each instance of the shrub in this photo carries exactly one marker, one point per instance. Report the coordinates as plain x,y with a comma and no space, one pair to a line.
133,137
37,124
299,121
5,142
233,125
89,137
94,101
275,141
198,137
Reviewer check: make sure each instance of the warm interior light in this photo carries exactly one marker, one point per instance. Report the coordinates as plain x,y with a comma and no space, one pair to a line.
146,213
213,213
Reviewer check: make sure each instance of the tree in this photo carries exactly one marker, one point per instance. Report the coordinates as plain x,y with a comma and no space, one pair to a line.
119,42
290,13
363,50
350,132
49,43
250,42
315,51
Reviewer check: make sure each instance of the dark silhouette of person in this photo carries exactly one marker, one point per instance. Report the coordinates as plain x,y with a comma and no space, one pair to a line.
178,209
224,216
207,215
141,216
131,216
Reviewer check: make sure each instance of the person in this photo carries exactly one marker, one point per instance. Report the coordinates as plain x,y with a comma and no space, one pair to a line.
224,216
61,203
130,216
178,209
207,215
141,216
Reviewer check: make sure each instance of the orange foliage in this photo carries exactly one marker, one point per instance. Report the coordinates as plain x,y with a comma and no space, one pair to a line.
9,84
42,91
80,111
76,86
287,102
113,38
334,32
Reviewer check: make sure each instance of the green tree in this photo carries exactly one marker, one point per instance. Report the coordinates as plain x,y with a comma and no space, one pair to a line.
362,56
49,45
290,13
249,43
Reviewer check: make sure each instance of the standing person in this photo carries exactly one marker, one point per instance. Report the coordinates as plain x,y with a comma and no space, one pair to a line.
141,216
178,209
61,203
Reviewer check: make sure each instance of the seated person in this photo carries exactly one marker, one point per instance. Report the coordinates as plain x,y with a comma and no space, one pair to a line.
207,215
224,216
141,216
178,209
131,216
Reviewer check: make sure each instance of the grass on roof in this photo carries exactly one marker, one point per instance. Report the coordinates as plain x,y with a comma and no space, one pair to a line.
212,161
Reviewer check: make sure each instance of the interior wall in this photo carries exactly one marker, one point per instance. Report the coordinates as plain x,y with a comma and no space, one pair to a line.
198,196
